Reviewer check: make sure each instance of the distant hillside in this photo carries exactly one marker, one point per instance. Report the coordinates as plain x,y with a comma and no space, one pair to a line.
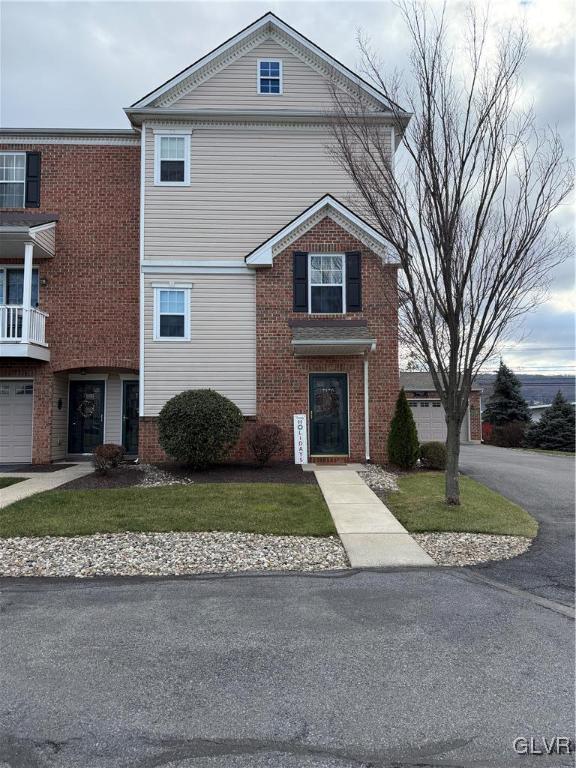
535,388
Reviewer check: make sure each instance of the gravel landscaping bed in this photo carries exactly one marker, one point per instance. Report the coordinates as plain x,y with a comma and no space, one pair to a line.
378,479
166,554
470,548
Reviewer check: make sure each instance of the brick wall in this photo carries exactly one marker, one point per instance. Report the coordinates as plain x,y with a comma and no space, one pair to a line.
282,378
92,283
475,420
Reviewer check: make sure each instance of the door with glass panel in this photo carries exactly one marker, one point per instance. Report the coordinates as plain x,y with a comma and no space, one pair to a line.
328,414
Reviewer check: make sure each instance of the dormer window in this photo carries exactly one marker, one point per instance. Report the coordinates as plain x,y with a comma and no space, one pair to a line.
269,76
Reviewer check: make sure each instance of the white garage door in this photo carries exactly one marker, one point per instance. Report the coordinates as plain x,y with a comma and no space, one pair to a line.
431,422
15,421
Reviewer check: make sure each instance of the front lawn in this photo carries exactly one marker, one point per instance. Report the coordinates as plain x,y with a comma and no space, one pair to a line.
6,481
420,507
275,508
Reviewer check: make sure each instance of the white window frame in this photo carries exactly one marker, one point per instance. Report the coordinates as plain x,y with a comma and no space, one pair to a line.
156,330
319,285
23,183
157,141
280,76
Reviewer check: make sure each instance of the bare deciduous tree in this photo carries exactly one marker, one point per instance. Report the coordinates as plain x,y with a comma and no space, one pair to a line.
468,215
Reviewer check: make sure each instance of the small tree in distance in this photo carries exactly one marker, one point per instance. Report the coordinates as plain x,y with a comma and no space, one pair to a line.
403,446
555,430
506,403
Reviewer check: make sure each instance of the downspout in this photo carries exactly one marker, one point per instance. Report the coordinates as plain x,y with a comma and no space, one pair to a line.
366,410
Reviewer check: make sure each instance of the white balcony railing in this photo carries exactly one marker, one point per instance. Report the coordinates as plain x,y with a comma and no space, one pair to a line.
22,324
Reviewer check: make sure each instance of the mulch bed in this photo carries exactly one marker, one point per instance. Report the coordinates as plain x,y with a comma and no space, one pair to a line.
30,469
129,475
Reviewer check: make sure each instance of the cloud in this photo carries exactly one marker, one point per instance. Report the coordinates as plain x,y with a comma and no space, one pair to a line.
83,62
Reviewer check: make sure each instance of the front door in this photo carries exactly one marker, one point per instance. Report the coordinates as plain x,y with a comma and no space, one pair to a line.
328,414
130,417
86,416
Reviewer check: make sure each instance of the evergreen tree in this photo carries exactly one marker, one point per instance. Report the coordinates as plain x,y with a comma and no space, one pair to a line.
506,403
555,430
403,443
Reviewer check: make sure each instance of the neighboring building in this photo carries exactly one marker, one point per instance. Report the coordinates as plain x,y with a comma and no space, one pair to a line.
429,413
257,276
69,203
536,411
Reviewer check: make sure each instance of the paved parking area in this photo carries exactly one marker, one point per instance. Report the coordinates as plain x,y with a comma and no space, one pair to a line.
544,485
411,667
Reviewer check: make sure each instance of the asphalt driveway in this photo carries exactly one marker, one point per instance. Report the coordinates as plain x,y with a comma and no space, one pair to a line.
543,485
421,667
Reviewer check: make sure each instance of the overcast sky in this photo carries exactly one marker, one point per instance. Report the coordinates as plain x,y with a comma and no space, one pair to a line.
77,64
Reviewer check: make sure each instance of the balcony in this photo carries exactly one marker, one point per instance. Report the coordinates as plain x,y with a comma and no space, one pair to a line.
23,332
30,237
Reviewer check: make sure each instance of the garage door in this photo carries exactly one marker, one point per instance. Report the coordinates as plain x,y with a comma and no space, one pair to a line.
15,421
431,422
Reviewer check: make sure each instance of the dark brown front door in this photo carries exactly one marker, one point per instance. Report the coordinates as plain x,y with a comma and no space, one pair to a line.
130,417
328,414
85,416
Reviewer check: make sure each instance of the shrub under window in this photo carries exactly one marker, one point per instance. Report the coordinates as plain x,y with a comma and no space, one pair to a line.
199,427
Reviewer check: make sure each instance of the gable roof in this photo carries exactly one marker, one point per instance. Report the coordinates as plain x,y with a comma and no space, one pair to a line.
422,381
327,206
269,22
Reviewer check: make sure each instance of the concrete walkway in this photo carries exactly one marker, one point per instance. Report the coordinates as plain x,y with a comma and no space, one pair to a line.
40,481
371,535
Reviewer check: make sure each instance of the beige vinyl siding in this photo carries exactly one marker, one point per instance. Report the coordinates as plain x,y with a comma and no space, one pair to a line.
246,184
221,353
60,417
46,239
236,86
113,423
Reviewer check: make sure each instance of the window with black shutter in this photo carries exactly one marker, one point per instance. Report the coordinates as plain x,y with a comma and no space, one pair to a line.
32,179
354,281
300,281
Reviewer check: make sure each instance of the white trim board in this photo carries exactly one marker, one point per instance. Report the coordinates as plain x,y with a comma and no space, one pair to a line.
267,23
263,255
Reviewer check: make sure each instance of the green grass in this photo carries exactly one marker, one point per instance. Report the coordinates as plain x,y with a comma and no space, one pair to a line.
250,507
420,507
6,481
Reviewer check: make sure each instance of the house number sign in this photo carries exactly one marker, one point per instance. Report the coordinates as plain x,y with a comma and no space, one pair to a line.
300,439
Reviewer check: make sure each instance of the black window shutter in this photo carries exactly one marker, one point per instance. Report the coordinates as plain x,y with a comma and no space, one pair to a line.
300,281
354,281
32,180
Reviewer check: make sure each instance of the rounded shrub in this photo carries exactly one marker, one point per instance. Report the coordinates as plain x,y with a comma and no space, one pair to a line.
106,457
510,435
433,455
199,427
265,441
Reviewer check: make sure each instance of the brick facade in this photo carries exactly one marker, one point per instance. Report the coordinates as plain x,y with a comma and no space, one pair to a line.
90,288
283,379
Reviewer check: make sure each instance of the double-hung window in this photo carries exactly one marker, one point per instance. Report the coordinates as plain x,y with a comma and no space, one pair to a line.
171,313
326,283
269,76
12,179
172,160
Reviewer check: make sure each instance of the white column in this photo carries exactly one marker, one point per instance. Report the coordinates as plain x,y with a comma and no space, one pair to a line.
27,292
366,409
